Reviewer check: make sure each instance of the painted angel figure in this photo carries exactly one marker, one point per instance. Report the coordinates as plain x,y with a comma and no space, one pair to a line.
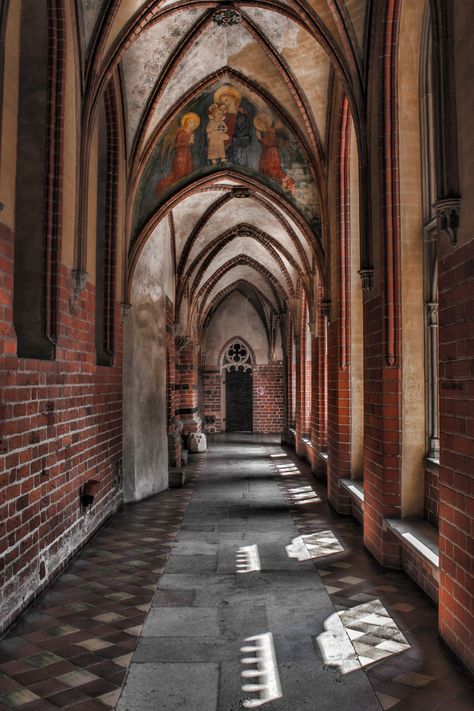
270,157
180,142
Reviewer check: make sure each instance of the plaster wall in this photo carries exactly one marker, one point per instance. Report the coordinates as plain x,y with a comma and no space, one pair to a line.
145,433
357,326
10,113
411,247
236,317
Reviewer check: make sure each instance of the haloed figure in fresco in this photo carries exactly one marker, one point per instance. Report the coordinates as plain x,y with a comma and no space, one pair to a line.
270,157
181,142
217,135
239,129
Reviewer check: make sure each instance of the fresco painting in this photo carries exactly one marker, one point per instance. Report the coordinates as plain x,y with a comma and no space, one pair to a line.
228,126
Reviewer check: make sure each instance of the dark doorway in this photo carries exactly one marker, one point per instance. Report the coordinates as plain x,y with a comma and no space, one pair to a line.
239,401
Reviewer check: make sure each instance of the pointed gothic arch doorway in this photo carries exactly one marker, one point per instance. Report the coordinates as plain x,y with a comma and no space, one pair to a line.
237,384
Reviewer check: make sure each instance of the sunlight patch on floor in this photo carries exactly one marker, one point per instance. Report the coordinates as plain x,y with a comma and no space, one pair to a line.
314,545
260,677
248,559
303,495
360,636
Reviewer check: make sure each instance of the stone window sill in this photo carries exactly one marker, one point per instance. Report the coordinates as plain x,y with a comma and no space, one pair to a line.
418,535
355,487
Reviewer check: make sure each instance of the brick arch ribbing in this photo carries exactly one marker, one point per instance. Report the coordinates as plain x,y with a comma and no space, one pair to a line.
209,183
198,301
212,209
212,250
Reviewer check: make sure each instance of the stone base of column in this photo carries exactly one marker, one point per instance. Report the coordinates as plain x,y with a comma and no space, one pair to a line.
174,449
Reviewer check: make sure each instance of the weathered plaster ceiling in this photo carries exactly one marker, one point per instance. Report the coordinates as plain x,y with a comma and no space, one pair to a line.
185,157
145,59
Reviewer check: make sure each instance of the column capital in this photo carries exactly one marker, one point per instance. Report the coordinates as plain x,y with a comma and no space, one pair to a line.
448,213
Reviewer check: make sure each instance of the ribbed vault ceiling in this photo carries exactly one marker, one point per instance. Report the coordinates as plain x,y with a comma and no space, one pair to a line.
252,224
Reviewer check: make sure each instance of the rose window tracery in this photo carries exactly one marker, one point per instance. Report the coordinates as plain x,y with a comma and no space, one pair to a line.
237,356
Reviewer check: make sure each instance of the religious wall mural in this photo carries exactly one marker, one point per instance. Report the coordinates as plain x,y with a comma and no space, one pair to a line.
228,126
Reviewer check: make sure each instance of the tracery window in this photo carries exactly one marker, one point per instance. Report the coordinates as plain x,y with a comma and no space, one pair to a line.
237,356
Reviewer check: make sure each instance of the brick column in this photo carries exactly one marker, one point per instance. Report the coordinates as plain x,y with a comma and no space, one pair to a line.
456,478
382,336
174,435
318,413
339,421
212,399
339,350
299,392
187,377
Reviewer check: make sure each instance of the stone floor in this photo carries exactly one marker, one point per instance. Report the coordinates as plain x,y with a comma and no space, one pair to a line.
259,562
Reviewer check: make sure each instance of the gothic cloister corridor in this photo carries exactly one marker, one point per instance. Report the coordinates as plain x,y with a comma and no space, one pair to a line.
157,601
236,354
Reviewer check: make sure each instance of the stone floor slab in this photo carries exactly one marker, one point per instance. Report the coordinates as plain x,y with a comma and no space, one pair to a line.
181,622
170,687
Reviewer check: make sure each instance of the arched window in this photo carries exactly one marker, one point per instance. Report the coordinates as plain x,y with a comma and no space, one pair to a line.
293,383
308,374
38,177
107,185
237,356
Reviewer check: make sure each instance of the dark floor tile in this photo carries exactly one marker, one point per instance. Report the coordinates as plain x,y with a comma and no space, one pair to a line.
86,660
42,705
104,669
7,684
117,677
66,698
47,687
89,705
31,677
98,687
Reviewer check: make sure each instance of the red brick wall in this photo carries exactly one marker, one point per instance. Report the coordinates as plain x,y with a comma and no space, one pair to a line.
187,378
456,475
308,395
211,380
382,446
172,394
62,425
268,397
339,422
318,414
292,395
422,572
